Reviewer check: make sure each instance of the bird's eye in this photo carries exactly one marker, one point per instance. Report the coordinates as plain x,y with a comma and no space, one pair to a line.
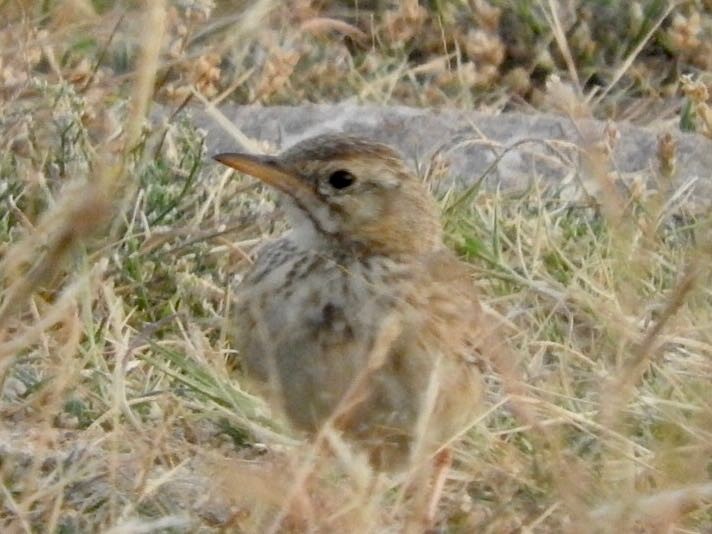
341,179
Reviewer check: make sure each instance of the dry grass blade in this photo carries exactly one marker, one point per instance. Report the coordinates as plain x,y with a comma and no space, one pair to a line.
561,41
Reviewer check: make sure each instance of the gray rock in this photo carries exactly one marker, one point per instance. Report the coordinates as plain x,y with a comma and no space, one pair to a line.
506,150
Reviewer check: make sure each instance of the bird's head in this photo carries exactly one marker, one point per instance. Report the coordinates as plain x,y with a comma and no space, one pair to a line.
351,190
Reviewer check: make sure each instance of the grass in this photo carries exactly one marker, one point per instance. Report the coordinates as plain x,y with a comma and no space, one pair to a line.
122,410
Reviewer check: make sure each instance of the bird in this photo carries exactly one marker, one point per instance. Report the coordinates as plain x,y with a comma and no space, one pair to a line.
359,316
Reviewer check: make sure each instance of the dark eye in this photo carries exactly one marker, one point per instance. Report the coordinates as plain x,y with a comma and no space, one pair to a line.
341,179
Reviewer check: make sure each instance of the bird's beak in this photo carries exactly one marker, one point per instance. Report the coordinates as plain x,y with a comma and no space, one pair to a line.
268,169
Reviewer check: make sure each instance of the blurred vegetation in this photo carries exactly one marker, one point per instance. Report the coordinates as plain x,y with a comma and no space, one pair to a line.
497,54
122,405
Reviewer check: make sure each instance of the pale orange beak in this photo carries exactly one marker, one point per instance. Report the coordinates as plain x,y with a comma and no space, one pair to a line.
268,169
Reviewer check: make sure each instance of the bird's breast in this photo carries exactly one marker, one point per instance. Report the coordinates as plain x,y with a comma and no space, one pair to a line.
311,322
290,290
309,319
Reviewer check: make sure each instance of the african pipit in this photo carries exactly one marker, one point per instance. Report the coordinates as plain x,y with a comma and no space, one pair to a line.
360,316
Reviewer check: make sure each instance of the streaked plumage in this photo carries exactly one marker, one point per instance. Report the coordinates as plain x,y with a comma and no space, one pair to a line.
360,299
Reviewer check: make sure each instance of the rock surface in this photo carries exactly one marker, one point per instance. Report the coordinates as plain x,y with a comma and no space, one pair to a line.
507,150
